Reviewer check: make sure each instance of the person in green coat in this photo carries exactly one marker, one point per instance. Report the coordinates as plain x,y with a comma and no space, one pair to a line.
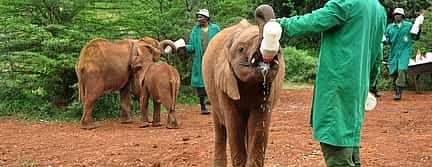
352,31
200,37
400,39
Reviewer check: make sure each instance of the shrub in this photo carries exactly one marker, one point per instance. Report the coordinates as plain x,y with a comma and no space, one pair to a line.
300,66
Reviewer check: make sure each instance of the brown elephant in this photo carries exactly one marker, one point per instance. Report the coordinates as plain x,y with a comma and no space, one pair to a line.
161,82
105,66
243,90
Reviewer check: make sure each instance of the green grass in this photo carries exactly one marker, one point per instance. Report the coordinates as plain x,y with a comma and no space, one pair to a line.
297,85
28,163
187,95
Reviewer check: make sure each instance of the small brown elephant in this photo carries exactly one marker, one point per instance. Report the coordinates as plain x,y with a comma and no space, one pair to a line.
243,89
161,82
105,66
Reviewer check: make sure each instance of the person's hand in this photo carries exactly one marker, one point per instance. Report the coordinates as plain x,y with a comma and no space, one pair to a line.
423,12
275,20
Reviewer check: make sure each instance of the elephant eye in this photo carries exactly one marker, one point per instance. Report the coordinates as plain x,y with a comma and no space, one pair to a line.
241,49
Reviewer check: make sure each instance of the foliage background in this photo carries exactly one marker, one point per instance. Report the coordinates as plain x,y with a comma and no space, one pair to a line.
40,41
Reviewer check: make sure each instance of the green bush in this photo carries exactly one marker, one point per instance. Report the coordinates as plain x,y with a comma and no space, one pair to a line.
40,43
300,65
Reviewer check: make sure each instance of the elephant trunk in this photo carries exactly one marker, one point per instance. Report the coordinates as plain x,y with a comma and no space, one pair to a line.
269,32
263,14
167,46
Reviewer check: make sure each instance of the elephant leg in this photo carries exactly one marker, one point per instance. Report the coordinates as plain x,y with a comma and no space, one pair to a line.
125,116
219,156
236,123
87,119
171,119
258,128
144,111
156,113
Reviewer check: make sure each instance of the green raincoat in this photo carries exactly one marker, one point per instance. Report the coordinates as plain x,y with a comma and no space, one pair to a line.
400,41
195,47
351,31
376,66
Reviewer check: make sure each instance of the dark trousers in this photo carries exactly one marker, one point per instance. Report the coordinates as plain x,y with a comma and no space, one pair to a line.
341,156
202,94
400,78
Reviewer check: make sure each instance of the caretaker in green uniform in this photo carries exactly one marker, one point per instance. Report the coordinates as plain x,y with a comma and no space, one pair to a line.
199,38
352,30
400,39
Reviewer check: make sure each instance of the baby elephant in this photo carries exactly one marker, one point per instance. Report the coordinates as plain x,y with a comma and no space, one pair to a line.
161,82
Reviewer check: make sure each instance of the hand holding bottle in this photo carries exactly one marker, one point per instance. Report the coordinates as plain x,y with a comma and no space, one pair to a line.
419,21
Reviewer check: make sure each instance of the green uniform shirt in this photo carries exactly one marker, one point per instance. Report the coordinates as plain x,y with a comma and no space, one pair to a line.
195,46
351,31
400,40
204,39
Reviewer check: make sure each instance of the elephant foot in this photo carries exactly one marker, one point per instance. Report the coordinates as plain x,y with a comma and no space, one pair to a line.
92,125
126,120
172,125
156,124
144,125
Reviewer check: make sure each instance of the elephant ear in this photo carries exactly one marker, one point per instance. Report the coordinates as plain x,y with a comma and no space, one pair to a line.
135,62
227,82
140,71
141,75
225,77
155,52
142,57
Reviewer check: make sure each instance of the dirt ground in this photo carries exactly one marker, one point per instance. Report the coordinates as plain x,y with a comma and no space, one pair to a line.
397,133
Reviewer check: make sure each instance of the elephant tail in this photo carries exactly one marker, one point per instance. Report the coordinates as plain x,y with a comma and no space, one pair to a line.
81,86
81,90
79,73
175,85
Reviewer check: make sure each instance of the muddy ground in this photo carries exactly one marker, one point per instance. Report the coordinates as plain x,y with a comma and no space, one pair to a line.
397,133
